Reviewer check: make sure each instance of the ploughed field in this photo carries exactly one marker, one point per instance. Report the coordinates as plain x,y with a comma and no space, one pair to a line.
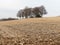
33,31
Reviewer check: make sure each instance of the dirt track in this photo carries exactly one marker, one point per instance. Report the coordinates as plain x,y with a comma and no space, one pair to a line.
35,31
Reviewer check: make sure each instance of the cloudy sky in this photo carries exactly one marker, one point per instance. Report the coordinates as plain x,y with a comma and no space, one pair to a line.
9,8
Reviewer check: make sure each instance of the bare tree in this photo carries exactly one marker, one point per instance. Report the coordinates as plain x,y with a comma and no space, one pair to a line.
42,10
27,12
36,11
19,14
39,11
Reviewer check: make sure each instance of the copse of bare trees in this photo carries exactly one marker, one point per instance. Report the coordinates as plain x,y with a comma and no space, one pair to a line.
32,12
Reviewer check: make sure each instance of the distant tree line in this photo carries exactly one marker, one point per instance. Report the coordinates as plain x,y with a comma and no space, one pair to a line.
8,19
32,12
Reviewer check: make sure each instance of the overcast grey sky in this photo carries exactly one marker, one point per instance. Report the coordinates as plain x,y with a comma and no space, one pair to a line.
9,8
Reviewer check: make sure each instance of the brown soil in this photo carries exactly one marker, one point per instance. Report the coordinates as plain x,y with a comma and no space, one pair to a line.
33,31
